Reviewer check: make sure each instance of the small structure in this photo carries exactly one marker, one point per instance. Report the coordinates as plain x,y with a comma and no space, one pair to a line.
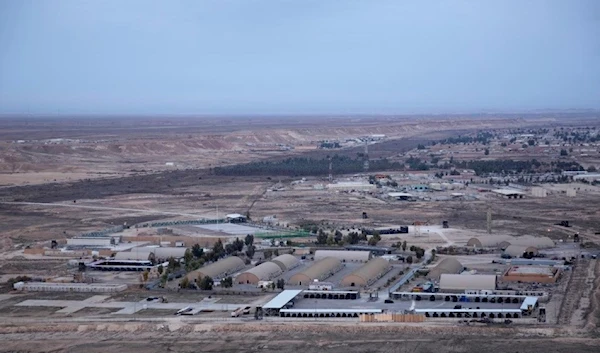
343,255
321,286
459,283
121,265
235,218
448,265
510,193
367,274
320,270
531,274
402,196
282,300
351,185
375,250
538,192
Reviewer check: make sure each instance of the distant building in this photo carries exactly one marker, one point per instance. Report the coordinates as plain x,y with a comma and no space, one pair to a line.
531,274
235,218
460,283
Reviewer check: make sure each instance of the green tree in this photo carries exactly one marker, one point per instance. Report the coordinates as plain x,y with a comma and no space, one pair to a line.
160,269
487,151
249,240
218,249
173,264
281,283
227,282
184,283
374,239
404,245
197,251
409,259
563,152
250,251
205,283
188,257
321,237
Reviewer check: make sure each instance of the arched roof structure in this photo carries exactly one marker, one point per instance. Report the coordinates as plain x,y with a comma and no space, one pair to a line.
367,274
319,270
286,261
262,272
448,265
344,255
219,269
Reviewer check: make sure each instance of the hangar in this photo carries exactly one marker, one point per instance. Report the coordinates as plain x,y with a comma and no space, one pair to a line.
367,274
528,240
448,265
286,262
219,269
318,271
503,242
519,250
344,256
262,272
490,241
460,283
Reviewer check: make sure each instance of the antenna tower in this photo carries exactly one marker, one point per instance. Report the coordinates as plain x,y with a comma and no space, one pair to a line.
366,155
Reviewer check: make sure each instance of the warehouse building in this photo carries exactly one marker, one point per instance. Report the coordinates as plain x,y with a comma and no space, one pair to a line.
344,256
286,262
262,272
69,287
160,253
100,242
367,274
448,265
528,240
451,283
320,270
531,274
218,270
520,250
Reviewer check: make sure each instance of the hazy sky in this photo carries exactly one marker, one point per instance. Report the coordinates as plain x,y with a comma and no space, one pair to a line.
273,56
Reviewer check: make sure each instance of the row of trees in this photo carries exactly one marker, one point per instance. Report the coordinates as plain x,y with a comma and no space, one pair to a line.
307,166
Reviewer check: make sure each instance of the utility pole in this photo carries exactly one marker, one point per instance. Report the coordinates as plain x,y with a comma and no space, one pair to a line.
330,170
489,221
366,156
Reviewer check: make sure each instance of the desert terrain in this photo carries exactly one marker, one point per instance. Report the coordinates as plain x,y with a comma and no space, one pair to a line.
64,177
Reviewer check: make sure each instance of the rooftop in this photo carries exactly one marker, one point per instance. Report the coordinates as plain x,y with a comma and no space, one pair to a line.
531,270
282,298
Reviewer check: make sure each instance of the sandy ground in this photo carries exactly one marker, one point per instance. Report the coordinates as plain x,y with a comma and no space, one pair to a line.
182,337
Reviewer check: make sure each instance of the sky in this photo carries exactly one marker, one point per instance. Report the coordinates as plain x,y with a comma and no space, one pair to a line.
297,57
